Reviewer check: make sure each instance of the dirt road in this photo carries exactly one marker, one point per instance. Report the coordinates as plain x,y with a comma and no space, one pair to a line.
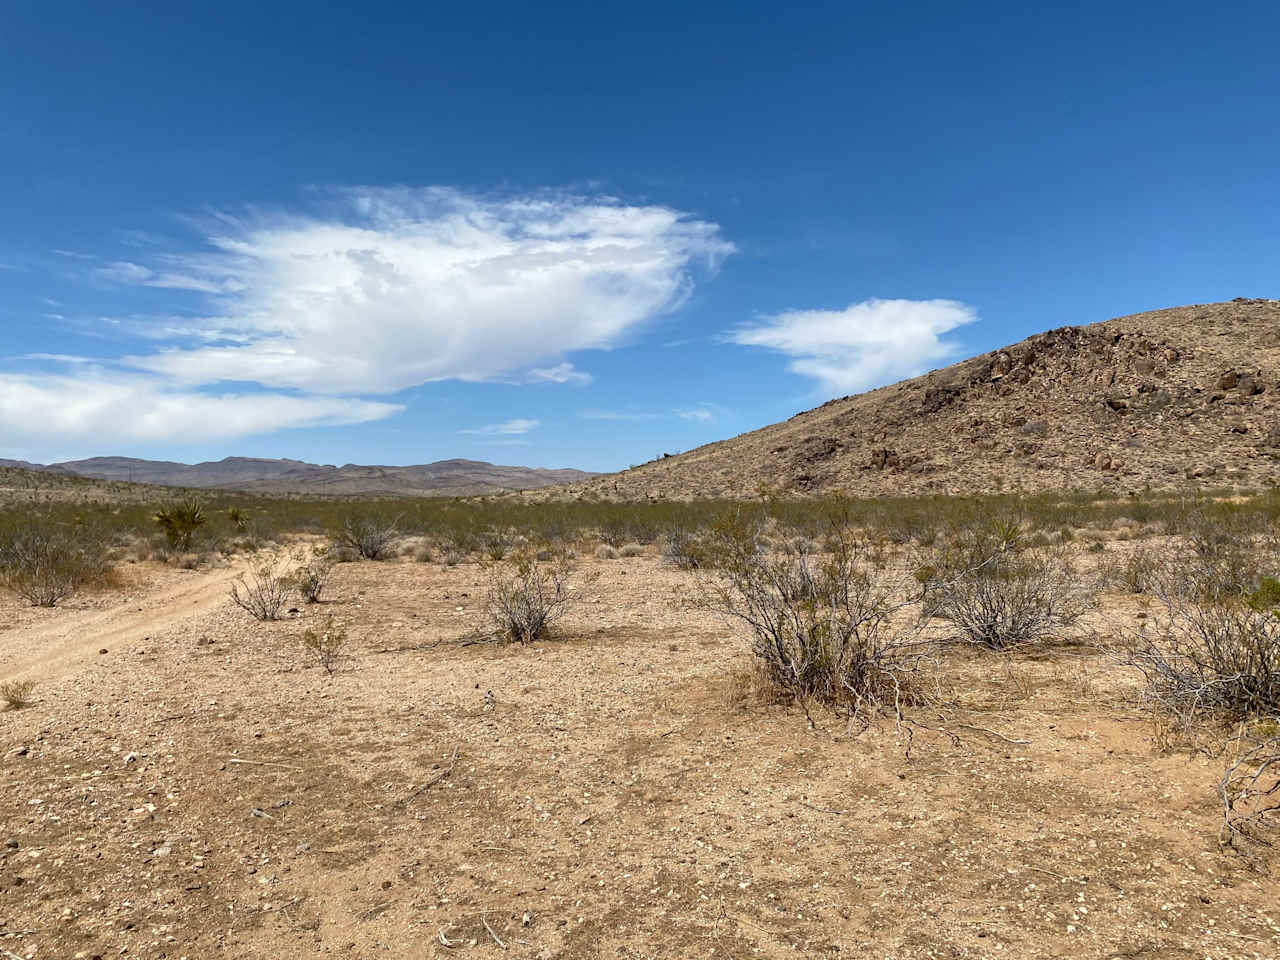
69,637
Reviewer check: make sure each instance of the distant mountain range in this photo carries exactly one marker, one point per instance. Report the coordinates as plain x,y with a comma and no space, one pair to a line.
443,478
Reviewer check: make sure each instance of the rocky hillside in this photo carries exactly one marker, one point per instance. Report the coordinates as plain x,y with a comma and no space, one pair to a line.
1189,395
445,477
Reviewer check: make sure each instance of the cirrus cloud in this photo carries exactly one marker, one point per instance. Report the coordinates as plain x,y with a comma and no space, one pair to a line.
865,345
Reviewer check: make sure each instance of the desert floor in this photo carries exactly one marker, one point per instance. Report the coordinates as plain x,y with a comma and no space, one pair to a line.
200,789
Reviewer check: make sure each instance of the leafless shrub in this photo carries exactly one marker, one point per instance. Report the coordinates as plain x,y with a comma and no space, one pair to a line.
16,694
1134,573
46,565
606,552
369,534
999,593
313,573
822,627
526,598
1202,653
681,549
263,590
1250,792
326,644
631,550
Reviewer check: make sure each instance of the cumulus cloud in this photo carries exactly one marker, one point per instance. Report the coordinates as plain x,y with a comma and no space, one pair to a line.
97,409
509,428
401,287
866,345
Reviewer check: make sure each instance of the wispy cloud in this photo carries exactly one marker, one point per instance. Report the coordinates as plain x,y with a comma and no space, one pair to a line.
508,428
864,345
560,373
703,413
99,410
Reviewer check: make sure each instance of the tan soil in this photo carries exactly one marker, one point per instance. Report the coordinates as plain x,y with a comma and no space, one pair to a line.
606,800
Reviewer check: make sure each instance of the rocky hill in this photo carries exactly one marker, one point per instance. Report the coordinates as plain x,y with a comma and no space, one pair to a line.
443,478
1189,395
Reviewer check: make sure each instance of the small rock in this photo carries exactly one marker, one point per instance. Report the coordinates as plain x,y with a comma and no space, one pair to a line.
103,650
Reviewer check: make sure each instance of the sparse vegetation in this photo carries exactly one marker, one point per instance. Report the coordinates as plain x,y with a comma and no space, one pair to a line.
369,534
526,598
263,591
16,694
999,593
313,573
326,644
1205,653
824,626
180,522
45,564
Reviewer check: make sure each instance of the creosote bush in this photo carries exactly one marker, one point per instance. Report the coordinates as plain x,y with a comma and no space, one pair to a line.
1204,652
526,597
822,626
16,694
999,593
682,550
313,573
369,534
326,644
44,565
263,590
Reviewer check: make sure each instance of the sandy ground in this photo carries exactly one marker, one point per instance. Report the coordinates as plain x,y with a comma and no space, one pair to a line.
202,790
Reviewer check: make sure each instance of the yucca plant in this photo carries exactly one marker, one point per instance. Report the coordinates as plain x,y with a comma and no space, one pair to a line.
180,522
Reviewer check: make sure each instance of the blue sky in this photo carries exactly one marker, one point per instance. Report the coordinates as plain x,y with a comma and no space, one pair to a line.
587,234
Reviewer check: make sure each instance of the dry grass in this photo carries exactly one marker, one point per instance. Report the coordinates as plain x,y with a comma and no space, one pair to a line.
16,694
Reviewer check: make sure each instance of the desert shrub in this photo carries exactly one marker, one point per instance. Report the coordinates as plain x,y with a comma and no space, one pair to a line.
180,522
631,550
999,593
821,626
263,590
16,694
368,534
682,550
44,565
326,644
313,573
1134,573
606,552
496,544
1205,653
238,518
526,598
1250,793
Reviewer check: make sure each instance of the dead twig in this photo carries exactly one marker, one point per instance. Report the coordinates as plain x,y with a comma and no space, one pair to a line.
453,759
491,933
262,763
998,736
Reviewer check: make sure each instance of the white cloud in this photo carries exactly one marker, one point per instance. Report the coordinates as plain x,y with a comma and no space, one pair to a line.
865,345
100,411
509,428
702,414
408,286
560,373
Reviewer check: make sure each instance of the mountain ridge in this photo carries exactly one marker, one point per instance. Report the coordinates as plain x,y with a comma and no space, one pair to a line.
1180,396
454,477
